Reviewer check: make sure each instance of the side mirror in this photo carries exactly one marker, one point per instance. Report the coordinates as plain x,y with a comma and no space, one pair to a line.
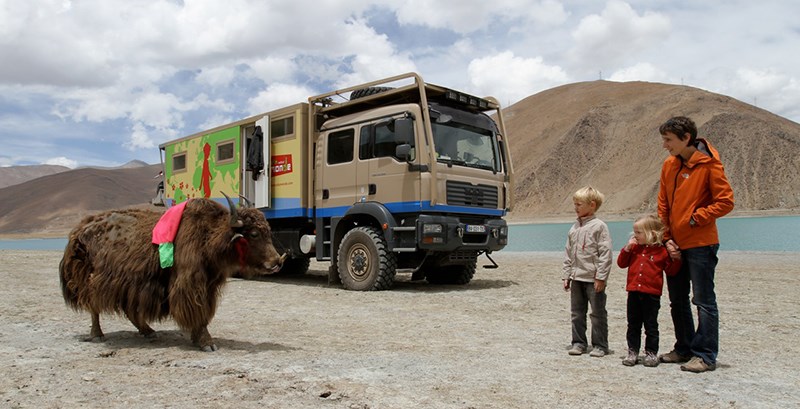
403,152
404,130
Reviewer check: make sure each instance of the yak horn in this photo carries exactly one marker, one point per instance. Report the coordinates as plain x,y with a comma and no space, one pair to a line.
235,221
247,203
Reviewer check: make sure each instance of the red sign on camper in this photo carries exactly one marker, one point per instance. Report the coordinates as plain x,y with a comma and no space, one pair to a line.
281,164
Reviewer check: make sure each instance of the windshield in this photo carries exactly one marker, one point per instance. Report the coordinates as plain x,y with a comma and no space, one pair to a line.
465,145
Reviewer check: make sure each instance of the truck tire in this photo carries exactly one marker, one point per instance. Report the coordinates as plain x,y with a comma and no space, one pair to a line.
295,266
363,261
452,274
365,92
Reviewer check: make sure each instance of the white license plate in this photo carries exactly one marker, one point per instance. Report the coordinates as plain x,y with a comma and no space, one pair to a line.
476,228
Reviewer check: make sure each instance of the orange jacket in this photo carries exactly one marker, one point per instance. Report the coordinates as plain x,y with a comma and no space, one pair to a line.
695,189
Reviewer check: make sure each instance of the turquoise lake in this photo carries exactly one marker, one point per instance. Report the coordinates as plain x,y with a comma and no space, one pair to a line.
778,233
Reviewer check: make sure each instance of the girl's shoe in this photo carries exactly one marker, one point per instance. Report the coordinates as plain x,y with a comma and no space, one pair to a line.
631,359
650,359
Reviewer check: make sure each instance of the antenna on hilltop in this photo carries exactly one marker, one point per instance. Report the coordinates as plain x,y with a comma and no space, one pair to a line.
601,74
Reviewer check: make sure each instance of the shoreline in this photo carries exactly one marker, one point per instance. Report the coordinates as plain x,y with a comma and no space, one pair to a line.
617,217
511,219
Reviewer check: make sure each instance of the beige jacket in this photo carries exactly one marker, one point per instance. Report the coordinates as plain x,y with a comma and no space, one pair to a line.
588,250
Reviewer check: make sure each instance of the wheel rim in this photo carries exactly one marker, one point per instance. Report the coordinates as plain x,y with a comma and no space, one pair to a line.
358,264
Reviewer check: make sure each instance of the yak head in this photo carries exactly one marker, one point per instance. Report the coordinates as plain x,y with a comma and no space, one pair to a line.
252,242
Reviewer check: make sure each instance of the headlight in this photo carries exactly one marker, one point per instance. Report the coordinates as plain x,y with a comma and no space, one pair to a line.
431,228
504,231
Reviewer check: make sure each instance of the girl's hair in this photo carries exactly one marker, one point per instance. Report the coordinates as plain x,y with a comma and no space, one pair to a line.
653,228
588,194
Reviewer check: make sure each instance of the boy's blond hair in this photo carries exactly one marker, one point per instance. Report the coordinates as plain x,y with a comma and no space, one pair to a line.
588,194
653,228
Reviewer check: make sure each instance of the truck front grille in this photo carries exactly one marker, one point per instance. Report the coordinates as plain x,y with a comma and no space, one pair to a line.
467,194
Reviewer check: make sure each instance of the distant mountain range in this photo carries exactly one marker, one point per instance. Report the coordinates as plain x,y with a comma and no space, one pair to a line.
598,133
51,205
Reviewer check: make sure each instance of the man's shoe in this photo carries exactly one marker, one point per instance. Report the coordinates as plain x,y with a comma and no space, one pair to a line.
598,352
697,365
673,357
631,359
577,349
650,359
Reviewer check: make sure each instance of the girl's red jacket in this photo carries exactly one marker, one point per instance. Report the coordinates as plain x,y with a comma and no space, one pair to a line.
646,265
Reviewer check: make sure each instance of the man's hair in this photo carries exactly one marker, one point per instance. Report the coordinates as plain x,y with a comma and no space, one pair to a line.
680,126
653,228
588,194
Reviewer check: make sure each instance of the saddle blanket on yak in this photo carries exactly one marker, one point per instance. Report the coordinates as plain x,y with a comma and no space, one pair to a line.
165,231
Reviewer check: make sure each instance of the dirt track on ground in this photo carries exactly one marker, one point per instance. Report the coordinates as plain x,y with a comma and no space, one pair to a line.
295,342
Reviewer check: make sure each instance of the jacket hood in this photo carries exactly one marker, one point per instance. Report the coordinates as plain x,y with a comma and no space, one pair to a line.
705,153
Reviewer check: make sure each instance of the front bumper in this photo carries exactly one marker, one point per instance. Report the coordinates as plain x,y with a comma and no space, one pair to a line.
452,233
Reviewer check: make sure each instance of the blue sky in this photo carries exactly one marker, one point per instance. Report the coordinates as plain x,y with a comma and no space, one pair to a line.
103,82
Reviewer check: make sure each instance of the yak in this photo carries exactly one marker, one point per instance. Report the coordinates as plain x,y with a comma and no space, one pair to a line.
111,265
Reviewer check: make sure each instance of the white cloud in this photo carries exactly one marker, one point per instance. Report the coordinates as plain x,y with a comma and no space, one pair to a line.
510,78
469,16
376,59
273,68
61,161
640,72
278,96
616,35
216,76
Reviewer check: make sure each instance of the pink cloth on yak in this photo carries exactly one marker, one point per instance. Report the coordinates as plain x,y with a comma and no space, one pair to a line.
165,231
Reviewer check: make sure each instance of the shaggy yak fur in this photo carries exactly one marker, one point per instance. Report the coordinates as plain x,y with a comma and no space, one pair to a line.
110,265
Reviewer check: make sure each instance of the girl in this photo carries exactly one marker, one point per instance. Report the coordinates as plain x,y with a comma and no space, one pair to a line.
647,260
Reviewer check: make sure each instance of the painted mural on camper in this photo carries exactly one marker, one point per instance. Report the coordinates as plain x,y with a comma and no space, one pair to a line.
203,166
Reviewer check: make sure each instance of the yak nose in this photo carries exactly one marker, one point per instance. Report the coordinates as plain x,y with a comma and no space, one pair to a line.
277,266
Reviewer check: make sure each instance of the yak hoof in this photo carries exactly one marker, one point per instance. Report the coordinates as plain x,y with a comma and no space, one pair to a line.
209,348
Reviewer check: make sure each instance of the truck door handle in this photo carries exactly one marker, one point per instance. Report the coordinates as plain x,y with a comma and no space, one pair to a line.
373,188
325,194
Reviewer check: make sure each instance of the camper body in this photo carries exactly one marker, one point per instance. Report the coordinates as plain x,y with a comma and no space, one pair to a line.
391,176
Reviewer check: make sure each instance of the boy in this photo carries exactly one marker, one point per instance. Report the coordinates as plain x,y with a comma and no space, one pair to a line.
694,192
585,272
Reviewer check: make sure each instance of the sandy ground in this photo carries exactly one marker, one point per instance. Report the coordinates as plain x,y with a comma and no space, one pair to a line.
499,342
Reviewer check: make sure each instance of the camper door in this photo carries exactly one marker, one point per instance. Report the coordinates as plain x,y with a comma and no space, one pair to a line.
263,180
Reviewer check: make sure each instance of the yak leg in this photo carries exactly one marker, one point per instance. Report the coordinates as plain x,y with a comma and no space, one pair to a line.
142,326
202,338
97,334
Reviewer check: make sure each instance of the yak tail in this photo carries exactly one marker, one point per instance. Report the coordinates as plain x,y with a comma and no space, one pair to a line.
74,271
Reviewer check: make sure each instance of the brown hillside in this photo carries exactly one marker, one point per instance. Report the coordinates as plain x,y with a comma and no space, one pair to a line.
13,175
606,134
54,204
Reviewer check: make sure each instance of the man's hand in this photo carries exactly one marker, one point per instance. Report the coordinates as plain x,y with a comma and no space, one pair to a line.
566,284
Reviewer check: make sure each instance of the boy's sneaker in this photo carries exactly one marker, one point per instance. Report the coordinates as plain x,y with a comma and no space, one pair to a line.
598,352
697,365
673,357
650,359
631,359
577,349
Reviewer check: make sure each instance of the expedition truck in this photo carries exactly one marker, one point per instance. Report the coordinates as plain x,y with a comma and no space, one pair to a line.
395,175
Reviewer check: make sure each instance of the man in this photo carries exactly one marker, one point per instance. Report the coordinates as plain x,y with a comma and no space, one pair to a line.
694,192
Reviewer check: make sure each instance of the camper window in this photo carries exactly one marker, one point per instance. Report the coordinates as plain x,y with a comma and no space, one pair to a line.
281,127
179,162
225,152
